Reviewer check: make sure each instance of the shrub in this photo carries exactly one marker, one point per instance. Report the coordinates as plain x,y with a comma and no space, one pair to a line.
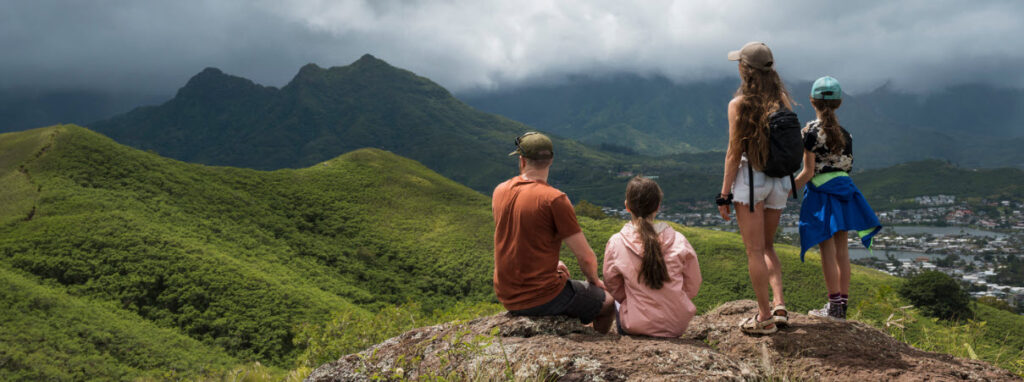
590,210
937,295
995,303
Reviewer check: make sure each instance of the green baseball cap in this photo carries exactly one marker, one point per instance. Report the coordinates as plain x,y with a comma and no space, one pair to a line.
533,145
826,88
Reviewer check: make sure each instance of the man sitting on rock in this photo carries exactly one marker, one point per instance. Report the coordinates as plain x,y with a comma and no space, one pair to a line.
531,220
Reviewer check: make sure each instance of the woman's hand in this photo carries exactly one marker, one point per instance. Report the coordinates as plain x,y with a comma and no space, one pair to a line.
724,210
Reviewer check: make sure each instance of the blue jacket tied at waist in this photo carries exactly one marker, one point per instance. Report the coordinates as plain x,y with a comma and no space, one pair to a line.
837,205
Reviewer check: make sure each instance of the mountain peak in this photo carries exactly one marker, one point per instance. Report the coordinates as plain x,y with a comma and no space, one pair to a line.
369,59
212,82
309,69
209,74
211,71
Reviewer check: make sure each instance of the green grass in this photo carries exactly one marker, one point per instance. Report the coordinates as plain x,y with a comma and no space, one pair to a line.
722,257
723,263
108,252
47,334
238,258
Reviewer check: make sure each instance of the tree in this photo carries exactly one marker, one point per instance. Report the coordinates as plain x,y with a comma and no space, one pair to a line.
948,261
590,210
995,303
937,295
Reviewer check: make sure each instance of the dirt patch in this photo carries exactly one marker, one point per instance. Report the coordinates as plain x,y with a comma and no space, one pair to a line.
507,347
820,348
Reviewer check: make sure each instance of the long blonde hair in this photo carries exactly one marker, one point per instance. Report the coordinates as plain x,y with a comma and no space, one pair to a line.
763,93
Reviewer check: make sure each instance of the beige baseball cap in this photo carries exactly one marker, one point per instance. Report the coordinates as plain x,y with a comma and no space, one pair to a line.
755,54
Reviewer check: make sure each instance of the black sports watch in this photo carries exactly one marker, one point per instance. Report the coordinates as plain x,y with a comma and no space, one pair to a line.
719,200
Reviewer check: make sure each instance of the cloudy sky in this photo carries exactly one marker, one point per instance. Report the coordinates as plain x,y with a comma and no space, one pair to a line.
466,45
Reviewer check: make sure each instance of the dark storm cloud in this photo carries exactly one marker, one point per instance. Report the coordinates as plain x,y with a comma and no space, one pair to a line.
467,44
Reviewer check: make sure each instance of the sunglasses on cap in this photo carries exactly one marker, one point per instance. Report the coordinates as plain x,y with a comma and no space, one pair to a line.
520,138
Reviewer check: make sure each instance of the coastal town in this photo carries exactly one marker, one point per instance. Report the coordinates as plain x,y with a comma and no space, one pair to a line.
980,243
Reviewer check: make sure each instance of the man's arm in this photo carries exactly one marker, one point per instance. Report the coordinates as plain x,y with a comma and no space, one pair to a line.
585,256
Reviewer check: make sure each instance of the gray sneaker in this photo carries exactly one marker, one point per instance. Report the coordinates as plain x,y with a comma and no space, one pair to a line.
823,312
830,310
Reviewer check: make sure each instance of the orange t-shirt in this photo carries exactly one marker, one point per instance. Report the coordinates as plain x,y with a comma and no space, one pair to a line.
531,219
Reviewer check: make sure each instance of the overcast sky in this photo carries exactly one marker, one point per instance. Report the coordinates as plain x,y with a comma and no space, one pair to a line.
155,46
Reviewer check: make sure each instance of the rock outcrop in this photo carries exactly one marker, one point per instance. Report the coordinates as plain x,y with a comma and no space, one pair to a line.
520,348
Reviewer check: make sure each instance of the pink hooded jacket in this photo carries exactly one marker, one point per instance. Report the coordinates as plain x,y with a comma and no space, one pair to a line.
664,312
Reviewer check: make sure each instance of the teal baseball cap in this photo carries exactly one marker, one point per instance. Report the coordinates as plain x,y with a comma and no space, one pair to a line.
826,88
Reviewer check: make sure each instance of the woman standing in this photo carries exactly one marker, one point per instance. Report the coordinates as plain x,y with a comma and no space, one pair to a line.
760,94
832,204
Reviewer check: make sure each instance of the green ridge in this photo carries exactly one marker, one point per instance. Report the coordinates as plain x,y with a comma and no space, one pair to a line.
46,334
290,266
238,258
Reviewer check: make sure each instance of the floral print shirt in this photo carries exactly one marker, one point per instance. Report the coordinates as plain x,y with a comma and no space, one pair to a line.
825,160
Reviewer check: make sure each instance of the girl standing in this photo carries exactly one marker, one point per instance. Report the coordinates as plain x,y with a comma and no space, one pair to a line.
650,269
761,93
832,204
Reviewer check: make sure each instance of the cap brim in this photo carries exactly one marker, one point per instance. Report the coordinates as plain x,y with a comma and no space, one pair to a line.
734,55
514,153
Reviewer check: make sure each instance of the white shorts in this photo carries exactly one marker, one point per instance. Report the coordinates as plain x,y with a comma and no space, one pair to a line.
772,191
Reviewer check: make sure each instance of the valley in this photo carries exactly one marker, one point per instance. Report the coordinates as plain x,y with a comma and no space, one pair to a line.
296,259
263,266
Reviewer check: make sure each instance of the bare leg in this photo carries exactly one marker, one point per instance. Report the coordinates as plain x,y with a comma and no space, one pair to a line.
771,260
606,318
828,265
842,261
752,230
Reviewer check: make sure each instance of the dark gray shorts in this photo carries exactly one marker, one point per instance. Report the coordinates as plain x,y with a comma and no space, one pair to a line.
579,299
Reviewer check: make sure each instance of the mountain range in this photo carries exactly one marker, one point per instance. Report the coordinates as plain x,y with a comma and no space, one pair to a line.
625,121
220,119
970,125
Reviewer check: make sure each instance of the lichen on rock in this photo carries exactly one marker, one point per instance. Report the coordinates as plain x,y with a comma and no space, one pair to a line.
506,347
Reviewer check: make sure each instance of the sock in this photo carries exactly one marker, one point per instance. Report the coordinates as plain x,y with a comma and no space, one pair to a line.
843,298
834,298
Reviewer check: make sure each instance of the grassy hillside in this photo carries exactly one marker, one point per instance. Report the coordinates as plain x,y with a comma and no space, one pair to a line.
995,335
231,257
107,250
47,334
898,185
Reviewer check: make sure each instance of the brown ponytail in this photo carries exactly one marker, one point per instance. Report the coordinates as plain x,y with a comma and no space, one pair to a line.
643,197
826,109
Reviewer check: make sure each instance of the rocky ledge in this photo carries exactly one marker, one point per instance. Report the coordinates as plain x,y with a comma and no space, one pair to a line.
504,347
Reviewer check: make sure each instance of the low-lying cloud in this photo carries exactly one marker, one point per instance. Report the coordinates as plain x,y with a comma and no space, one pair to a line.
467,45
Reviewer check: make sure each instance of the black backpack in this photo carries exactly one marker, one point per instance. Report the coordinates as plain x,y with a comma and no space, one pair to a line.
785,149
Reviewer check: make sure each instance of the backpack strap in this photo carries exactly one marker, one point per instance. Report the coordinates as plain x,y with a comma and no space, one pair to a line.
792,184
750,185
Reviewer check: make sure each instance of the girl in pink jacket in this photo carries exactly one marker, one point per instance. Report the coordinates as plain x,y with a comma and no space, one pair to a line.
650,269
